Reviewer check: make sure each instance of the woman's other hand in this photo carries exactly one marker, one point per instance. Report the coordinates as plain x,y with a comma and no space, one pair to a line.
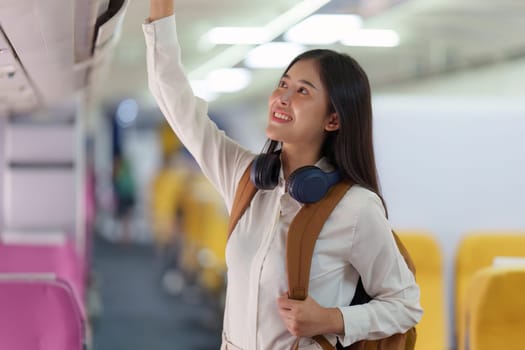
306,318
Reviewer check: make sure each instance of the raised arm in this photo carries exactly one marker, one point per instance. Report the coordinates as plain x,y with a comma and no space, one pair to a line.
221,159
160,8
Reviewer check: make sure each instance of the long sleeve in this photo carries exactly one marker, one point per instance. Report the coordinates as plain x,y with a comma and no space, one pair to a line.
395,307
221,159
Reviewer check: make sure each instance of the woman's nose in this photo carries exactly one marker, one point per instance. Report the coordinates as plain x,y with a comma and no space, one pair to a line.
284,98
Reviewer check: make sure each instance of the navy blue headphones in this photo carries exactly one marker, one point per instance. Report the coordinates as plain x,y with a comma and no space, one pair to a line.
307,184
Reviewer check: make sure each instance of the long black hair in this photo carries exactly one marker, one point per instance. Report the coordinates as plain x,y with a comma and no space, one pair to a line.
350,148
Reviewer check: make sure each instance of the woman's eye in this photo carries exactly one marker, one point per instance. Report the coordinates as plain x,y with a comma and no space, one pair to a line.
302,90
282,84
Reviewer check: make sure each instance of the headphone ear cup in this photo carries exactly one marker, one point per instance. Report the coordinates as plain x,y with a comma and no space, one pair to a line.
310,184
265,171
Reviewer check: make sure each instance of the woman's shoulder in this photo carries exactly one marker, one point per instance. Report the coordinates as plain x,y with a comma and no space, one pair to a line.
359,198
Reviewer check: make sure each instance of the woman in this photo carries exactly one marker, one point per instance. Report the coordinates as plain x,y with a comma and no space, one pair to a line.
320,113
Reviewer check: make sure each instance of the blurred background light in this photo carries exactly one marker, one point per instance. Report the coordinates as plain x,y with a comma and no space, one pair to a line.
371,38
127,112
300,11
228,79
237,35
323,29
273,29
273,55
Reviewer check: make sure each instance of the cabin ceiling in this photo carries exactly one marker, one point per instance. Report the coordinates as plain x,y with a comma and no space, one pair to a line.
46,57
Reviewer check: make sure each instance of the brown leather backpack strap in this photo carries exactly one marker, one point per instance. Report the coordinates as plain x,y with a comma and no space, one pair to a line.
302,235
243,196
300,243
325,344
321,340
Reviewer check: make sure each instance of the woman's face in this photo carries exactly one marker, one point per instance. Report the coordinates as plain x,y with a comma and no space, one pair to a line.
298,107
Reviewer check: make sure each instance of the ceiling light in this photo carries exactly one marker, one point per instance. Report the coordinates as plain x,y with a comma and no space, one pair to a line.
228,79
259,35
300,11
237,35
276,27
273,55
372,38
323,29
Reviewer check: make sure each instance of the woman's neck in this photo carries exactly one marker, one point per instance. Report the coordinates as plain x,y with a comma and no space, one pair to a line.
295,157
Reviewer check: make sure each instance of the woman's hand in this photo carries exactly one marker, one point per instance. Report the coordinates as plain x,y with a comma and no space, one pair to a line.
160,8
306,318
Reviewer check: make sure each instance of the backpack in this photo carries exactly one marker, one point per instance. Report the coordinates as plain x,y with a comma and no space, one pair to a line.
302,235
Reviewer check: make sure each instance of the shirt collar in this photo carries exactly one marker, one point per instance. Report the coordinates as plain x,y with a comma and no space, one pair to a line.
322,164
288,204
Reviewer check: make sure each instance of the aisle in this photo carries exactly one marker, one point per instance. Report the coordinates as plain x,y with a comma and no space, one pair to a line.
137,314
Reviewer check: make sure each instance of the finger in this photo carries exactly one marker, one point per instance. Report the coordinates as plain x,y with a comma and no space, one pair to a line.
284,302
293,303
285,308
286,316
286,313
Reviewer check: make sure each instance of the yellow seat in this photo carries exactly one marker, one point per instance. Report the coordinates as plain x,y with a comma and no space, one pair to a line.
427,257
495,309
212,248
167,191
205,228
192,225
169,142
477,250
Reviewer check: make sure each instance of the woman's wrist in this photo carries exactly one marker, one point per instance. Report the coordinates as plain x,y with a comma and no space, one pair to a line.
334,321
160,8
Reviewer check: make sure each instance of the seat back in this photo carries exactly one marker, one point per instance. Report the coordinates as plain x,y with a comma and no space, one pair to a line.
39,312
477,250
428,259
2,161
495,308
167,191
58,258
205,229
40,200
40,177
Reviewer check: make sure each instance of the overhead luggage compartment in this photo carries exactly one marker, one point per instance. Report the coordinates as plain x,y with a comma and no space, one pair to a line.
49,47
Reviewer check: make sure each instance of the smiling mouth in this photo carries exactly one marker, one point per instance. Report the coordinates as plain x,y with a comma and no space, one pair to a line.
281,116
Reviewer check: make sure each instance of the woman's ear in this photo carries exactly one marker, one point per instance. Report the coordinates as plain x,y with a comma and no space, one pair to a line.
332,123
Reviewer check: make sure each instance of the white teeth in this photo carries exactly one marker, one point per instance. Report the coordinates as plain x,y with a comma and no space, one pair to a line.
281,116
